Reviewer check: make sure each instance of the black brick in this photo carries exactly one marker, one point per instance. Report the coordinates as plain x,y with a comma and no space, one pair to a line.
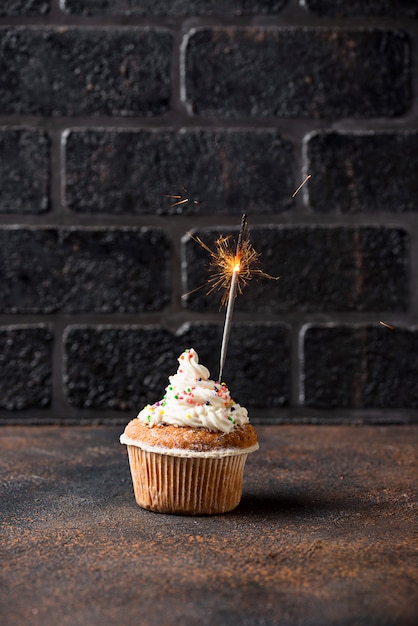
174,7
321,269
24,7
224,172
297,73
85,71
257,367
345,8
24,171
125,368
25,367
363,172
117,368
83,270
360,367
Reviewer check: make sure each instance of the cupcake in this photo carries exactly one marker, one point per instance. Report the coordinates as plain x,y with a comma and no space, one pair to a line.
187,452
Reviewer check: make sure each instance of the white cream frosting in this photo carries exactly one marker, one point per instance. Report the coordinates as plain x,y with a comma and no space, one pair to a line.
193,399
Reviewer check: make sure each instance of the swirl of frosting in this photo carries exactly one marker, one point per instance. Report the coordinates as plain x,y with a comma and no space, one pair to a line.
193,399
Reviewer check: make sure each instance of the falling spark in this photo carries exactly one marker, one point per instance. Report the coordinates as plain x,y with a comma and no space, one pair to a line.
180,199
387,325
236,268
301,185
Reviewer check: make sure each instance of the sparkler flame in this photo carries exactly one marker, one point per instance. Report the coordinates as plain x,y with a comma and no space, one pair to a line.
225,262
231,270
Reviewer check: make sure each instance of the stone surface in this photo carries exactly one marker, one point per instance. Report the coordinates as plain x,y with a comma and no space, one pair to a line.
55,72
360,366
320,269
313,73
74,270
24,171
174,7
126,368
363,172
25,367
217,172
325,534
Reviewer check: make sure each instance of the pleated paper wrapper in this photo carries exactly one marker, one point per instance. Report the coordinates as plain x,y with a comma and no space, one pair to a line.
187,485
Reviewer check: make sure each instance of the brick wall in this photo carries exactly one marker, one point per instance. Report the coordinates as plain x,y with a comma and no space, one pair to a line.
107,107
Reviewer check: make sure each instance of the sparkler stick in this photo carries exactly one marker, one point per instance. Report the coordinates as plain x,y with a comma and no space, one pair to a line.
232,296
231,271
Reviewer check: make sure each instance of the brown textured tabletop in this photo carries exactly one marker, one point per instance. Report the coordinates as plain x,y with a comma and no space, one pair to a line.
326,533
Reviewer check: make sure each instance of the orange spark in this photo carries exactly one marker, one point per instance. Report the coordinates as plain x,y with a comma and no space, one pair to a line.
387,325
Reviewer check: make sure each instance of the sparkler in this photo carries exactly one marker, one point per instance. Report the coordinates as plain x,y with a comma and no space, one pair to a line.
231,272
232,294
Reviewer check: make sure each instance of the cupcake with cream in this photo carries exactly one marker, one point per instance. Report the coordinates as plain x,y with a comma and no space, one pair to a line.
187,451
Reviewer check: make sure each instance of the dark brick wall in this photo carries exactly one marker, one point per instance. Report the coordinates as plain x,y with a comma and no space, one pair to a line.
108,108
329,74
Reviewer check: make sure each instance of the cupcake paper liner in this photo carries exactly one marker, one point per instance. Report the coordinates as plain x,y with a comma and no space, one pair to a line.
181,485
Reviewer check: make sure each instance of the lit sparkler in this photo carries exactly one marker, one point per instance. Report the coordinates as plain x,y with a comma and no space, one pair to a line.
236,268
231,270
